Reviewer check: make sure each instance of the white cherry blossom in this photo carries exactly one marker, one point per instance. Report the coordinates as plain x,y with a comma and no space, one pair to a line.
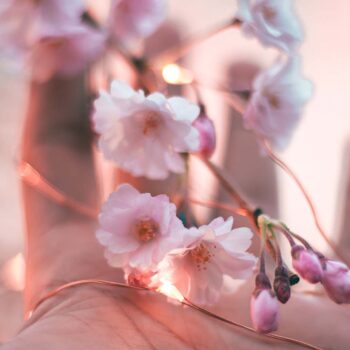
210,253
277,102
138,230
273,22
144,135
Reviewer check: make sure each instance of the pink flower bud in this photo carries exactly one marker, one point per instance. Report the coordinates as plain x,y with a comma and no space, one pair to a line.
207,135
264,311
336,281
307,264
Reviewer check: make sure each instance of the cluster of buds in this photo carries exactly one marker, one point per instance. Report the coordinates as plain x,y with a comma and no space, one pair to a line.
310,265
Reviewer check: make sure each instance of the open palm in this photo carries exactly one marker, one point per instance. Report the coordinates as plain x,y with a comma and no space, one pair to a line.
61,247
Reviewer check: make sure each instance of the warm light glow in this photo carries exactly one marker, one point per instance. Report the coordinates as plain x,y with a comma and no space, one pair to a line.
13,273
170,291
174,74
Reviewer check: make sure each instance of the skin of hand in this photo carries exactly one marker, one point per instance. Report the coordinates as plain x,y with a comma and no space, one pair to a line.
61,247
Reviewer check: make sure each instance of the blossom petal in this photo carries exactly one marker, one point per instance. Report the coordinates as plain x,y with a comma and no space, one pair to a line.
183,109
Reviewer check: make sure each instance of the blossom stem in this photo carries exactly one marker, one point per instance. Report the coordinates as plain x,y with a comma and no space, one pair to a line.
173,54
308,199
262,261
217,205
288,235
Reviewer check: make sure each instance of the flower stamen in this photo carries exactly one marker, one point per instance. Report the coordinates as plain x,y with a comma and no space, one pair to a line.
269,13
146,229
201,254
151,123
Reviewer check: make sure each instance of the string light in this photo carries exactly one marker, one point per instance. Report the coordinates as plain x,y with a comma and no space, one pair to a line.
171,291
174,74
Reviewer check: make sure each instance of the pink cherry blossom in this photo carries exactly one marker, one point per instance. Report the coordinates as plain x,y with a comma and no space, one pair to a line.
336,281
276,105
138,230
133,19
273,22
65,54
207,135
144,135
307,264
24,22
264,311
210,253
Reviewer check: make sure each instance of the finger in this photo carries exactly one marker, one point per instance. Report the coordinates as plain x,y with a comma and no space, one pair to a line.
57,143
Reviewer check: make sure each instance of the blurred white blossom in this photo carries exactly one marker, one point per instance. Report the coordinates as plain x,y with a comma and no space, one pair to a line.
273,22
24,22
209,253
278,98
136,19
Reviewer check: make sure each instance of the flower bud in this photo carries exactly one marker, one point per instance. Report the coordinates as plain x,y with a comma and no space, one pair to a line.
264,311
264,306
207,135
336,281
307,264
281,284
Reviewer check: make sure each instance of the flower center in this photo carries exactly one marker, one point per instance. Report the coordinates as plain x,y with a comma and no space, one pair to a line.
151,123
274,101
200,254
146,229
269,13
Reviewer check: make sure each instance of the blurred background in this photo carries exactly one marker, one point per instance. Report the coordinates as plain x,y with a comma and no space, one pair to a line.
319,152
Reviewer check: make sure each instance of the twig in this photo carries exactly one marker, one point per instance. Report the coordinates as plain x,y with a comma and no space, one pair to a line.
173,54
308,199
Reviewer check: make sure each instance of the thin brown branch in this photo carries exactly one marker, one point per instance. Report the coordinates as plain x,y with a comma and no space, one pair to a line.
174,53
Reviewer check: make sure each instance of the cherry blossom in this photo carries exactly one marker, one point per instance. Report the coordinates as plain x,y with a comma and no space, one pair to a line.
210,252
336,281
65,54
133,19
276,105
144,135
24,22
273,22
138,230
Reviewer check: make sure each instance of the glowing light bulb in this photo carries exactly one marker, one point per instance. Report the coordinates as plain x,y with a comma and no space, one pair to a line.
170,291
174,74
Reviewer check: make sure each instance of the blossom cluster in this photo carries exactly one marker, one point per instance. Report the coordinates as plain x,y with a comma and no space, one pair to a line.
54,38
143,235
310,264
280,92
